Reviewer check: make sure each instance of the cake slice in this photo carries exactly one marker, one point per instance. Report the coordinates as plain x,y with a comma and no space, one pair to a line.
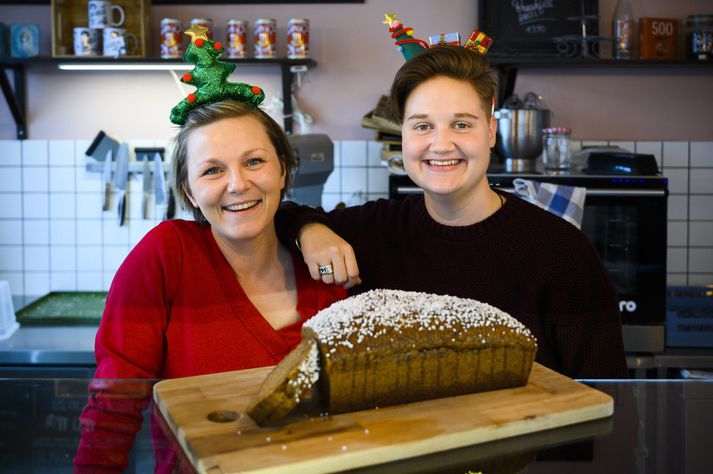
287,384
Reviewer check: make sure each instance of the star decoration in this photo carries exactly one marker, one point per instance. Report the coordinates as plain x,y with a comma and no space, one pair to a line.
390,19
196,32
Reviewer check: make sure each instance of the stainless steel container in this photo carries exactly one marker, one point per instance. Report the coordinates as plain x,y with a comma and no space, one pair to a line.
519,137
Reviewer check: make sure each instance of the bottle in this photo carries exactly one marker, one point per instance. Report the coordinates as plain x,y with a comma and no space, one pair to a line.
623,30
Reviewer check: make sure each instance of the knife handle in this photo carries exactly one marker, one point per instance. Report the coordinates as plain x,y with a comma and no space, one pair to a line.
107,196
122,210
171,206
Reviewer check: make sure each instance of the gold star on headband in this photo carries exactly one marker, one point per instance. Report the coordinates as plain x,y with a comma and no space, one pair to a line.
196,32
390,19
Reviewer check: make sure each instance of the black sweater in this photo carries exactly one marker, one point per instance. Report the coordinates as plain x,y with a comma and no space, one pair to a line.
524,260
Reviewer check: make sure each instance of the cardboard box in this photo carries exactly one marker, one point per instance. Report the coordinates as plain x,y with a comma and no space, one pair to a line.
657,38
68,14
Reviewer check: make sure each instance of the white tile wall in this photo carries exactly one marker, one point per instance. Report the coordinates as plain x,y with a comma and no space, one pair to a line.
53,232
54,235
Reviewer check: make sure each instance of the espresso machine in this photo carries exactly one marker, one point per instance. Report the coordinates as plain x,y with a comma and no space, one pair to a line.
315,162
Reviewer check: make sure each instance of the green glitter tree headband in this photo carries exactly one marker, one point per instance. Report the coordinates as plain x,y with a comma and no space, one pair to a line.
210,77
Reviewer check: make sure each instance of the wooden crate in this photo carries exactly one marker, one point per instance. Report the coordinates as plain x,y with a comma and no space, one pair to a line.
68,14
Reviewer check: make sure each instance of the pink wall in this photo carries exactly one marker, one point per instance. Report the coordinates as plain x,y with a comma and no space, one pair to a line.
356,61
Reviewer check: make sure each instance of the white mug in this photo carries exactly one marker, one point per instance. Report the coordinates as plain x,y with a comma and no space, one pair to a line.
116,42
86,41
101,14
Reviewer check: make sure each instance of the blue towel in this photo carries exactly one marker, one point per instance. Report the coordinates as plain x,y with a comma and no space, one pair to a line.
566,202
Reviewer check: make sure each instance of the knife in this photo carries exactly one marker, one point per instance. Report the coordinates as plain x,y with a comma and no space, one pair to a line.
171,204
148,188
160,187
121,177
106,179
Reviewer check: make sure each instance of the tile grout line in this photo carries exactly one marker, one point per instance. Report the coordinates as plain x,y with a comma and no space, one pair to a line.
688,213
49,220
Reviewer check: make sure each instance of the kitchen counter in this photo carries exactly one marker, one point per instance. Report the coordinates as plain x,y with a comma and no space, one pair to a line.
50,345
47,345
658,426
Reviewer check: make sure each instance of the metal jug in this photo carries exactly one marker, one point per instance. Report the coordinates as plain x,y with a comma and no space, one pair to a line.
519,137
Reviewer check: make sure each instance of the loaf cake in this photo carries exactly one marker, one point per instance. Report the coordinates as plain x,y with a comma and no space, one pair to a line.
386,347
288,384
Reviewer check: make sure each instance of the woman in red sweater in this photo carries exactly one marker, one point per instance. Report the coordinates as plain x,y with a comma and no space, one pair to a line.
216,294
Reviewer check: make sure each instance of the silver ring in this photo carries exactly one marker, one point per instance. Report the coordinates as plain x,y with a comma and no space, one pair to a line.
326,269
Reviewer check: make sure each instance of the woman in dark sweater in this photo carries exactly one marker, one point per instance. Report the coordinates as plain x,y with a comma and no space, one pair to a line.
463,238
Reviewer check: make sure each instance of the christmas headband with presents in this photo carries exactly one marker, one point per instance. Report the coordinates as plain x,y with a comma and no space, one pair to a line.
210,77
478,42
409,46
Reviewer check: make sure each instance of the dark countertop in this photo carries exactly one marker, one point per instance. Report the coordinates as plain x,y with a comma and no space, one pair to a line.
657,426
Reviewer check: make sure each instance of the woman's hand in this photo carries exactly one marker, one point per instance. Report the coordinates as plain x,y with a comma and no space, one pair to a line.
321,248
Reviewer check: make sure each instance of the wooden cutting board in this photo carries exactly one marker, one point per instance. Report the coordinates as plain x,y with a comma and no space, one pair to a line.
234,443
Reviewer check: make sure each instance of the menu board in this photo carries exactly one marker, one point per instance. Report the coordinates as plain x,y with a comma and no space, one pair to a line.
533,27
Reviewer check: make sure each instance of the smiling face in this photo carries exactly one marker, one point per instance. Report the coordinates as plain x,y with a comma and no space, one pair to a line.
447,137
235,178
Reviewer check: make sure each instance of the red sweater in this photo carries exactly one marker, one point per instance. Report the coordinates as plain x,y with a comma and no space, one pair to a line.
176,309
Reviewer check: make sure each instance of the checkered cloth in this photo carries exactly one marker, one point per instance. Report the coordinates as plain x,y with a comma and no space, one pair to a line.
564,201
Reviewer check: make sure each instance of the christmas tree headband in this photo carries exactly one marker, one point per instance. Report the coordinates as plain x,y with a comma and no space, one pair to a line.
210,77
409,46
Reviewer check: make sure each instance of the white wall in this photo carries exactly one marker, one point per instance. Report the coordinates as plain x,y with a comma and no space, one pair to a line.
356,61
54,235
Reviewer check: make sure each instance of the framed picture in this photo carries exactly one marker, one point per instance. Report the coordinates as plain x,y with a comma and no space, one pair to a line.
536,27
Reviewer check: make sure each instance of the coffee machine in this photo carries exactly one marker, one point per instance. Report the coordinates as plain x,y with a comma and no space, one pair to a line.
314,154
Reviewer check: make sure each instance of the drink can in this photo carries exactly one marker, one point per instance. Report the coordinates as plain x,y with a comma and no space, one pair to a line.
205,23
298,38
171,38
265,38
236,35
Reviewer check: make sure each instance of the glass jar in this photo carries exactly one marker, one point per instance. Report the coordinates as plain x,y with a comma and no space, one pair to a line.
699,37
556,148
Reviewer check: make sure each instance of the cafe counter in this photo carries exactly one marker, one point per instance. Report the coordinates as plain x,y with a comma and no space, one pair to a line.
658,426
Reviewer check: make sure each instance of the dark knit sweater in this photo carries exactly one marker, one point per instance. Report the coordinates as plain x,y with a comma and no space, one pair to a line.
532,264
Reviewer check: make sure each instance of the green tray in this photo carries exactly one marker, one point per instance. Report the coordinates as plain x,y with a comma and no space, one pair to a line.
74,308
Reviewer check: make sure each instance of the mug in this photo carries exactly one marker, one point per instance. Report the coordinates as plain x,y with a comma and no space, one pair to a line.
101,14
116,42
86,41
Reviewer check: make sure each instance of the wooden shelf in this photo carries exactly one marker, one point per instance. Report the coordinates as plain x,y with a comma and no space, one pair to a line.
16,101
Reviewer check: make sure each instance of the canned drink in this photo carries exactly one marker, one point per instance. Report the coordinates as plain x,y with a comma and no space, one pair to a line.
236,35
171,38
298,38
205,23
265,38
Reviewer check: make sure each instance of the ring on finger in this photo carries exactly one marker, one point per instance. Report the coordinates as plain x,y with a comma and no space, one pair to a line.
326,269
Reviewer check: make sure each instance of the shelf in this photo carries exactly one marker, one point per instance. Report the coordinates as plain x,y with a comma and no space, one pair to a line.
534,62
508,66
53,60
15,97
